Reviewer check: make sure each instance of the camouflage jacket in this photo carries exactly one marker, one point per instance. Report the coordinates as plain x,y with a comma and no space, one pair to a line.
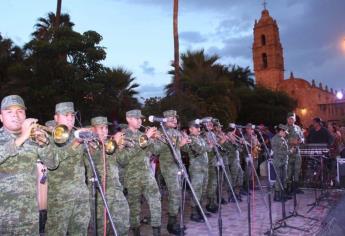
111,169
295,133
197,151
135,159
68,181
18,199
280,149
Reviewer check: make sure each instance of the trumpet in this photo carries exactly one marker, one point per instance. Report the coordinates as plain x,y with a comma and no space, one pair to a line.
157,134
110,146
59,133
235,139
130,142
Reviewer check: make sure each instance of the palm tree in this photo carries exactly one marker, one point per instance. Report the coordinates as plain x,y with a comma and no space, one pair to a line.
176,46
58,14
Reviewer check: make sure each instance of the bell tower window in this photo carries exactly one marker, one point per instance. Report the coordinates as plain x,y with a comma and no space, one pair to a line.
264,60
263,40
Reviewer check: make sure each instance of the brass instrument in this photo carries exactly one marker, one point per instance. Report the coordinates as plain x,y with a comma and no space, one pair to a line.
129,142
110,146
59,133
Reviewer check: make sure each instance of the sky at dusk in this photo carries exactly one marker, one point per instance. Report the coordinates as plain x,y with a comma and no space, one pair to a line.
138,35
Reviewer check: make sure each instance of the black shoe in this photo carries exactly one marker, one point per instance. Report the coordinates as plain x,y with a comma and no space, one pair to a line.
172,226
212,208
42,220
299,191
156,231
136,231
223,201
277,196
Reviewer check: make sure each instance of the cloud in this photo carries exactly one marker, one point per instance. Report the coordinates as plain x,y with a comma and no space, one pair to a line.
151,90
147,69
192,37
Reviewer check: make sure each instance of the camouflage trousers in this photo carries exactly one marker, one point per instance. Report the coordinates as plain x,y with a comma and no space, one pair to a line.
119,211
212,182
236,171
71,216
294,167
199,177
281,169
145,185
174,190
23,229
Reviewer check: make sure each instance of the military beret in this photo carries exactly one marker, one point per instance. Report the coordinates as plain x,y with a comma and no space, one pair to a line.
170,113
12,100
64,108
134,113
99,120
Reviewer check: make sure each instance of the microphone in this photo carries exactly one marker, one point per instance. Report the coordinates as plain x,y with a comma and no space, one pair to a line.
83,134
203,120
157,119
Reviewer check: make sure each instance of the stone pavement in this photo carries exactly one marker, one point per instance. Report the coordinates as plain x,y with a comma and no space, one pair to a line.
237,225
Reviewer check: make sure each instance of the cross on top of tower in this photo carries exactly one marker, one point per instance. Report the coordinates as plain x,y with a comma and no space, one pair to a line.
264,4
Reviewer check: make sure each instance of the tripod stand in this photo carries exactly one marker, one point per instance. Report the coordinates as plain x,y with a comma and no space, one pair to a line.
249,164
220,168
184,179
97,185
323,194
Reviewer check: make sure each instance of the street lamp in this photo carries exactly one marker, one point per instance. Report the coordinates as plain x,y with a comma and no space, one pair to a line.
339,95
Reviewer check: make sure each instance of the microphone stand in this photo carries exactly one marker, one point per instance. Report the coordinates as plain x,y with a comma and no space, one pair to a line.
249,161
97,185
220,168
184,179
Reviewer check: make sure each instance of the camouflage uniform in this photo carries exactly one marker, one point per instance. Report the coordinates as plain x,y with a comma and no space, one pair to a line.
198,166
295,160
280,159
18,199
116,200
68,194
138,177
236,172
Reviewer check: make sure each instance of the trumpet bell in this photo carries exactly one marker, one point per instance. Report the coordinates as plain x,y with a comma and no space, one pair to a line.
110,146
143,140
61,134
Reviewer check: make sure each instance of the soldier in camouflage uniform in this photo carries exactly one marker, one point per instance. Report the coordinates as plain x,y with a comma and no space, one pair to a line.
107,167
198,167
169,169
68,195
212,205
236,172
18,156
280,160
294,138
138,178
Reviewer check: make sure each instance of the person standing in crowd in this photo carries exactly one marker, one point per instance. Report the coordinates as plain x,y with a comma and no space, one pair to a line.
68,194
318,133
139,180
169,169
295,138
198,167
21,145
107,167
280,150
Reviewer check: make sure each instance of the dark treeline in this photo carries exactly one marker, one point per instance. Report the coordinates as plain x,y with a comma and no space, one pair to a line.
59,64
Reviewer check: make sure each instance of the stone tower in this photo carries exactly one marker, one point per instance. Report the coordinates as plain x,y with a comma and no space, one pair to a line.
267,52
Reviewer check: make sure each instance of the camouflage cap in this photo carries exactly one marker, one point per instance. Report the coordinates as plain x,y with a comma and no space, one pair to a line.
64,108
206,119
12,100
249,126
134,113
216,122
50,123
283,127
170,113
291,114
100,120
193,123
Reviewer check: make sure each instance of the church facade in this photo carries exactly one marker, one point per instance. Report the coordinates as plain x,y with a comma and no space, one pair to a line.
313,100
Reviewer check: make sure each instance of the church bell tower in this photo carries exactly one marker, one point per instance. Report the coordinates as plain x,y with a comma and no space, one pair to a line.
267,52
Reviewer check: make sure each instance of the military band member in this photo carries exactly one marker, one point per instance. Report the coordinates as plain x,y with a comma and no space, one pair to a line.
295,138
107,167
236,173
198,167
18,156
281,152
68,195
138,178
212,204
169,169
